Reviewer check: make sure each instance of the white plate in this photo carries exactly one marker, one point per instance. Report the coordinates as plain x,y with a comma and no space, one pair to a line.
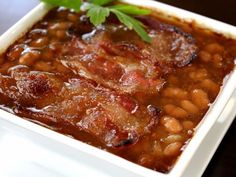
27,149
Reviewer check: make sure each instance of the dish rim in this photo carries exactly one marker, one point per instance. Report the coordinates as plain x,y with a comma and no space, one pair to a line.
16,31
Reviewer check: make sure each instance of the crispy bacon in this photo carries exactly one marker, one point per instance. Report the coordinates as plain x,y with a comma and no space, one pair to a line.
114,119
112,67
116,58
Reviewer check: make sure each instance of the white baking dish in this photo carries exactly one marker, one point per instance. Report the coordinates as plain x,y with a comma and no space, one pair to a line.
59,155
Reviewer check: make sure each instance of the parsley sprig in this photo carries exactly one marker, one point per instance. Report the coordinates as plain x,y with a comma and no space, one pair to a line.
98,10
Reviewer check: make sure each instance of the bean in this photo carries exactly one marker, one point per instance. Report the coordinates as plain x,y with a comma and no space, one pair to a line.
205,56
145,160
29,58
187,28
189,107
199,74
173,149
60,26
175,93
40,42
214,48
188,125
61,34
218,65
173,138
42,66
210,86
217,58
15,53
171,124
200,98
72,17
165,101
36,33
51,32
61,14
157,150
175,111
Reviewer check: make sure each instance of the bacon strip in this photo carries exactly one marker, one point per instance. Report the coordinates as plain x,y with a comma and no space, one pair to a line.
114,119
117,59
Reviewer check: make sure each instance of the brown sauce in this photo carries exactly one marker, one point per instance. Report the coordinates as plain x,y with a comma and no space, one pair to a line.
51,77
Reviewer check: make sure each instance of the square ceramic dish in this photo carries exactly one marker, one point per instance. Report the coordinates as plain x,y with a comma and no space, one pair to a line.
64,156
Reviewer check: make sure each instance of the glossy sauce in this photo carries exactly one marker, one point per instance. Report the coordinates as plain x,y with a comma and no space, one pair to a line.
177,105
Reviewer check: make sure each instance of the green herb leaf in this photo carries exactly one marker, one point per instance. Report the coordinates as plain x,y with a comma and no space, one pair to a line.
132,23
129,9
100,2
97,14
70,4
